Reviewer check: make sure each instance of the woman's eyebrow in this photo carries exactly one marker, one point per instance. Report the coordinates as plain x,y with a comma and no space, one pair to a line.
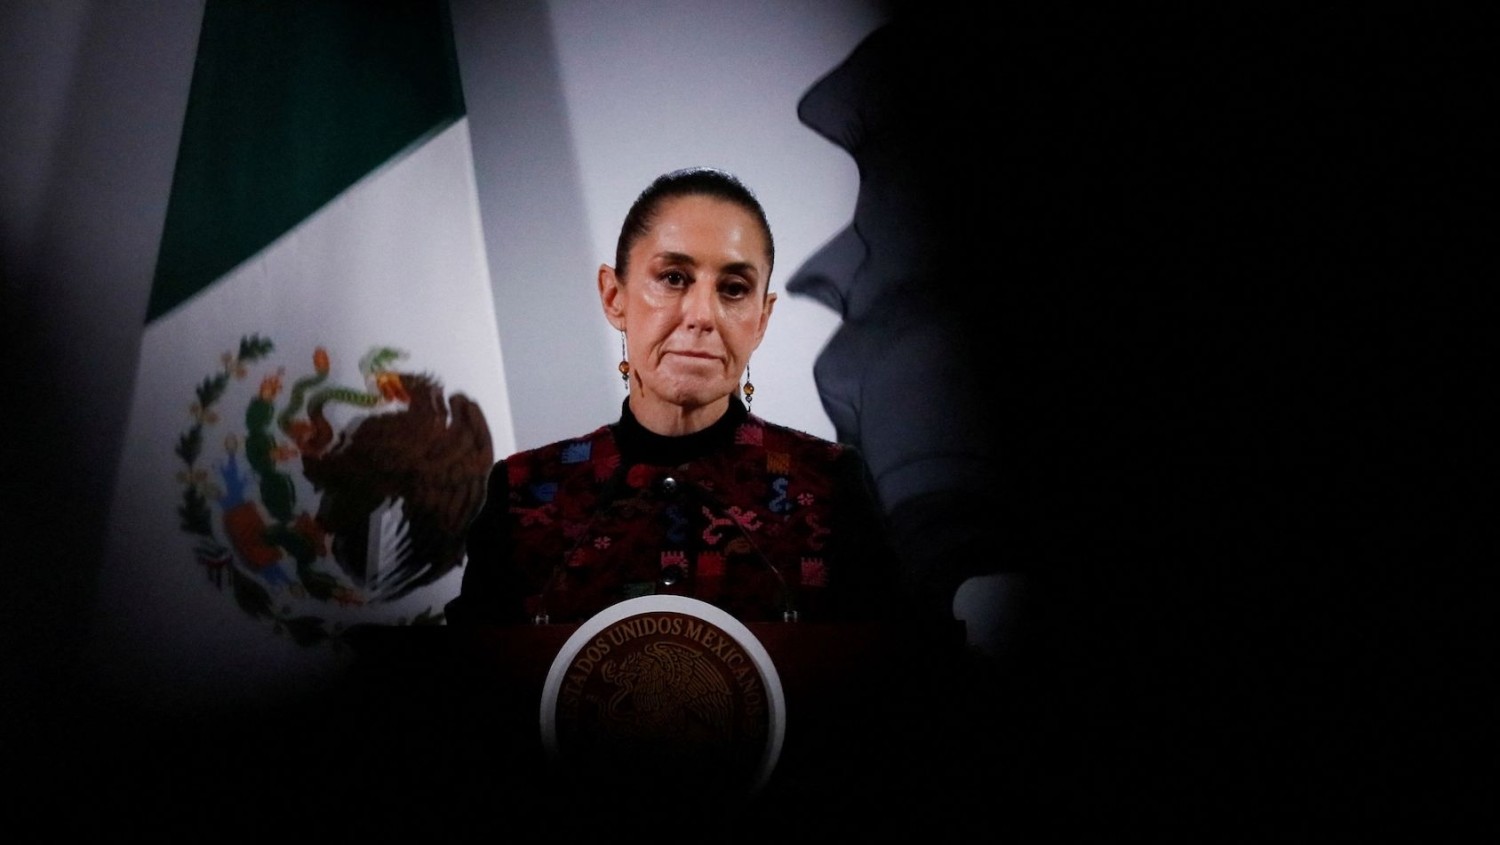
742,268
675,258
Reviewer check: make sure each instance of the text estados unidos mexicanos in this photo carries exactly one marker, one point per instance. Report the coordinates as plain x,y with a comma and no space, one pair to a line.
745,674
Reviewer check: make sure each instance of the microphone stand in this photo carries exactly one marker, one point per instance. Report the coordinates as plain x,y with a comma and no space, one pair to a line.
712,506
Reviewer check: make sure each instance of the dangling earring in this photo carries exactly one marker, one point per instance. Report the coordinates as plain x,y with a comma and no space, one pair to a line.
624,367
749,389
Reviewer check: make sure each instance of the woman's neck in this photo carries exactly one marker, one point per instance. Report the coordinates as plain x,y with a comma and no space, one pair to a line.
671,420
639,445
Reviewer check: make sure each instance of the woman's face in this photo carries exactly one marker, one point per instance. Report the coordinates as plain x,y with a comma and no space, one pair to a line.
693,306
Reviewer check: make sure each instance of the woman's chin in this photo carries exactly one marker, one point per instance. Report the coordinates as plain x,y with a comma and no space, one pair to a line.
691,393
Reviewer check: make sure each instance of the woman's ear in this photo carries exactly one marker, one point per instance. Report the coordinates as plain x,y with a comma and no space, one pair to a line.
765,318
612,297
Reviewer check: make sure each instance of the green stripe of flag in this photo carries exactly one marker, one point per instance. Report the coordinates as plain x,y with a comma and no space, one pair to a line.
291,103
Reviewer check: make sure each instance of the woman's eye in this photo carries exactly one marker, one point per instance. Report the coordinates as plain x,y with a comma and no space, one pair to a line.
735,289
674,278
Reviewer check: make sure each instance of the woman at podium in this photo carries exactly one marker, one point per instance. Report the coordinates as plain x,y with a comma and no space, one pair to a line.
688,492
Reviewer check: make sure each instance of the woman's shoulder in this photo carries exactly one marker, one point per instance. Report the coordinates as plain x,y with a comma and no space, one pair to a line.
566,447
783,437
572,454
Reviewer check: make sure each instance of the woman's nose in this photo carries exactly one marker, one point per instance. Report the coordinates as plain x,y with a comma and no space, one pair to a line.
697,305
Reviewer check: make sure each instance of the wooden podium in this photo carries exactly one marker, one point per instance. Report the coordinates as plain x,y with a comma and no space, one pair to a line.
818,663
863,704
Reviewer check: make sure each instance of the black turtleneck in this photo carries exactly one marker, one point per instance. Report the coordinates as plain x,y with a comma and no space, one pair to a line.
640,445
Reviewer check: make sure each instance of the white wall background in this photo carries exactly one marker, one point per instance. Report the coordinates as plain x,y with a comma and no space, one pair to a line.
93,96
575,105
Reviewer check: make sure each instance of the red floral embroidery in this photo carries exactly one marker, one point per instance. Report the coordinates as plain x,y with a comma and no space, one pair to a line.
746,518
606,464
814,572
609,552
639,476
749,434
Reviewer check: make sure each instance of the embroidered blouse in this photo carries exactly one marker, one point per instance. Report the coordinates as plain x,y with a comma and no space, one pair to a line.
759,519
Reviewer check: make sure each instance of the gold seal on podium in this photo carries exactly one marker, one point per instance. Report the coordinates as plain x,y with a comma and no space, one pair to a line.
663,690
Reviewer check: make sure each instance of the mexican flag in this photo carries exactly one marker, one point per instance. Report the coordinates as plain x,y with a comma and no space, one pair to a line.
319,394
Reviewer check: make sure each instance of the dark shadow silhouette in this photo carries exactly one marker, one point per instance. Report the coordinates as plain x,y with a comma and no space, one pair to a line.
1123,311
907,376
